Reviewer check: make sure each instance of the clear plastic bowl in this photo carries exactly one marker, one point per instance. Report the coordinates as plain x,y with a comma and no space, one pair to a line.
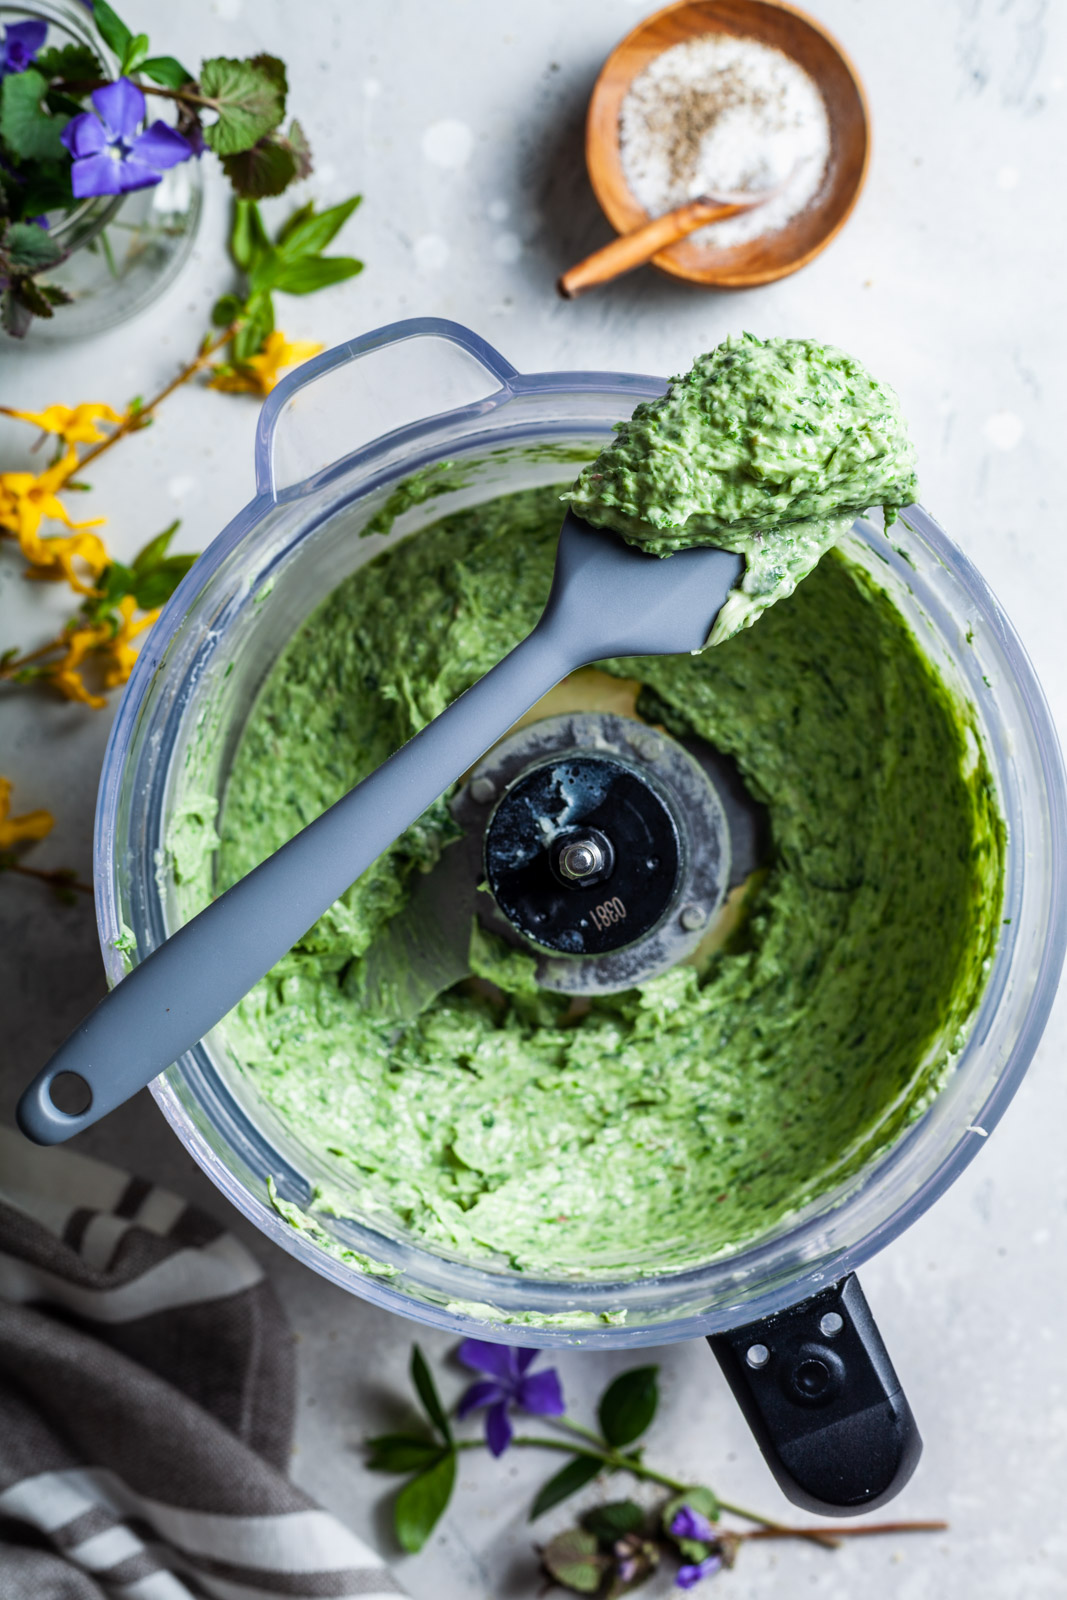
209,653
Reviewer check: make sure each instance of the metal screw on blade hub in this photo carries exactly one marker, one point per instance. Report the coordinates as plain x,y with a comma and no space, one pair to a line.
483,790
581,858
692,918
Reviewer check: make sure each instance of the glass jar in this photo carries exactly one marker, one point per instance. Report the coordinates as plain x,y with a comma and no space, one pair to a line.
122,250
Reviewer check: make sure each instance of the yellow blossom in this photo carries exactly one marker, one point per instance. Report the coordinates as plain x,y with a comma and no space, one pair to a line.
26,500
65,674
258,374
73,424
16,830
117,652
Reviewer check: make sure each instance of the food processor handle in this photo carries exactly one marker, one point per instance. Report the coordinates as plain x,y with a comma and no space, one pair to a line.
818,1390
177,994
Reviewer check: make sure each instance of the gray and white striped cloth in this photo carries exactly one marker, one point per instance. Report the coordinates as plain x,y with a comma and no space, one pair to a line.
146,1403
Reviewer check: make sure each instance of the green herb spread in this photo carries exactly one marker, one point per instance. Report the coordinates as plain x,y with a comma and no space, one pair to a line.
686,1117
768,447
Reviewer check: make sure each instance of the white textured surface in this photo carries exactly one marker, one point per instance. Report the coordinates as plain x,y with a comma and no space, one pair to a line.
462,125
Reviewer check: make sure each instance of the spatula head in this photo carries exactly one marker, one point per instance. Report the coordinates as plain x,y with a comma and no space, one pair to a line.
616,600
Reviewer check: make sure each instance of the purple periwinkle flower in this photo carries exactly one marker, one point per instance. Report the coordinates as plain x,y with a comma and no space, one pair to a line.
507,1382
689,1524
688,1576
113,151
21,42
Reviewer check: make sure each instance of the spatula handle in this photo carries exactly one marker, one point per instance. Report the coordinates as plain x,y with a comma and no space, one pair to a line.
182,989
632,250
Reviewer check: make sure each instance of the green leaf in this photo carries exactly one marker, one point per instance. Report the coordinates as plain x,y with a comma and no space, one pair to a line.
574,1476
427,1393
26,127
267,169
611,1521
136,54
315,272
264,269
293,221
227,309
253,332
29,248
117,582
628,1405
575,1561
421,1502
116,34
270,166
167,71
73,62
248,237
154,551
402,1452
298,144
47,188
32,297
249,97
308,232
273,68
156,587
62,105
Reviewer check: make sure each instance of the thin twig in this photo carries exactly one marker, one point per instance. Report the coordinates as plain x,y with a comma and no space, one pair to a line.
135,419
847,1531
626,1463
59,879
770,1529
8,669
615,1461
184,96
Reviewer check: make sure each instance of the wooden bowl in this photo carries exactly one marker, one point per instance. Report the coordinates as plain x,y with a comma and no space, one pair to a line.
764,259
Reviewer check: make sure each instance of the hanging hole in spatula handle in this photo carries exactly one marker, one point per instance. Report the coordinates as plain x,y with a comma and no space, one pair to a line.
58,1107
391,381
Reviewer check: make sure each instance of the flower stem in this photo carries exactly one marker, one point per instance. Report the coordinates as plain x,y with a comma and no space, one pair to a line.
768,1529
846,1531
185,96
581,1429
554,1444
830,1538
8,669
618,1462
135,420
59,880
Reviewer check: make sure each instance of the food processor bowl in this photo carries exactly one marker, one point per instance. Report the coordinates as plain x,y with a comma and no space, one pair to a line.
491,431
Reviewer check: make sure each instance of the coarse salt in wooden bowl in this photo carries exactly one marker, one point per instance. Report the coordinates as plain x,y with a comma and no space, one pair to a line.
773,255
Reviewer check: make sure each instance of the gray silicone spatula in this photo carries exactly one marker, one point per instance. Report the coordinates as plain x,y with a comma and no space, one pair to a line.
607,599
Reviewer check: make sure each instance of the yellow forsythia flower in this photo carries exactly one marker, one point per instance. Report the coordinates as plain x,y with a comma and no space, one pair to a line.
73,424
26,500
117,652
114,650
16,830
258,374
65,674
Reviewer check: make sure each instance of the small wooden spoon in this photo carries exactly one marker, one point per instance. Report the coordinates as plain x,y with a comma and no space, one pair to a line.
632,250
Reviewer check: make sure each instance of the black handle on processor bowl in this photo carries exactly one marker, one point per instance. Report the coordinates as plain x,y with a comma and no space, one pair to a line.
818,1390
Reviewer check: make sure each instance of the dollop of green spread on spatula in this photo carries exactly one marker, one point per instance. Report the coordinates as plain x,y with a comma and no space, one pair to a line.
771,447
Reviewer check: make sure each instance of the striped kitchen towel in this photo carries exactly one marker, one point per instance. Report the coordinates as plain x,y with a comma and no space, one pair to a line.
146,1403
